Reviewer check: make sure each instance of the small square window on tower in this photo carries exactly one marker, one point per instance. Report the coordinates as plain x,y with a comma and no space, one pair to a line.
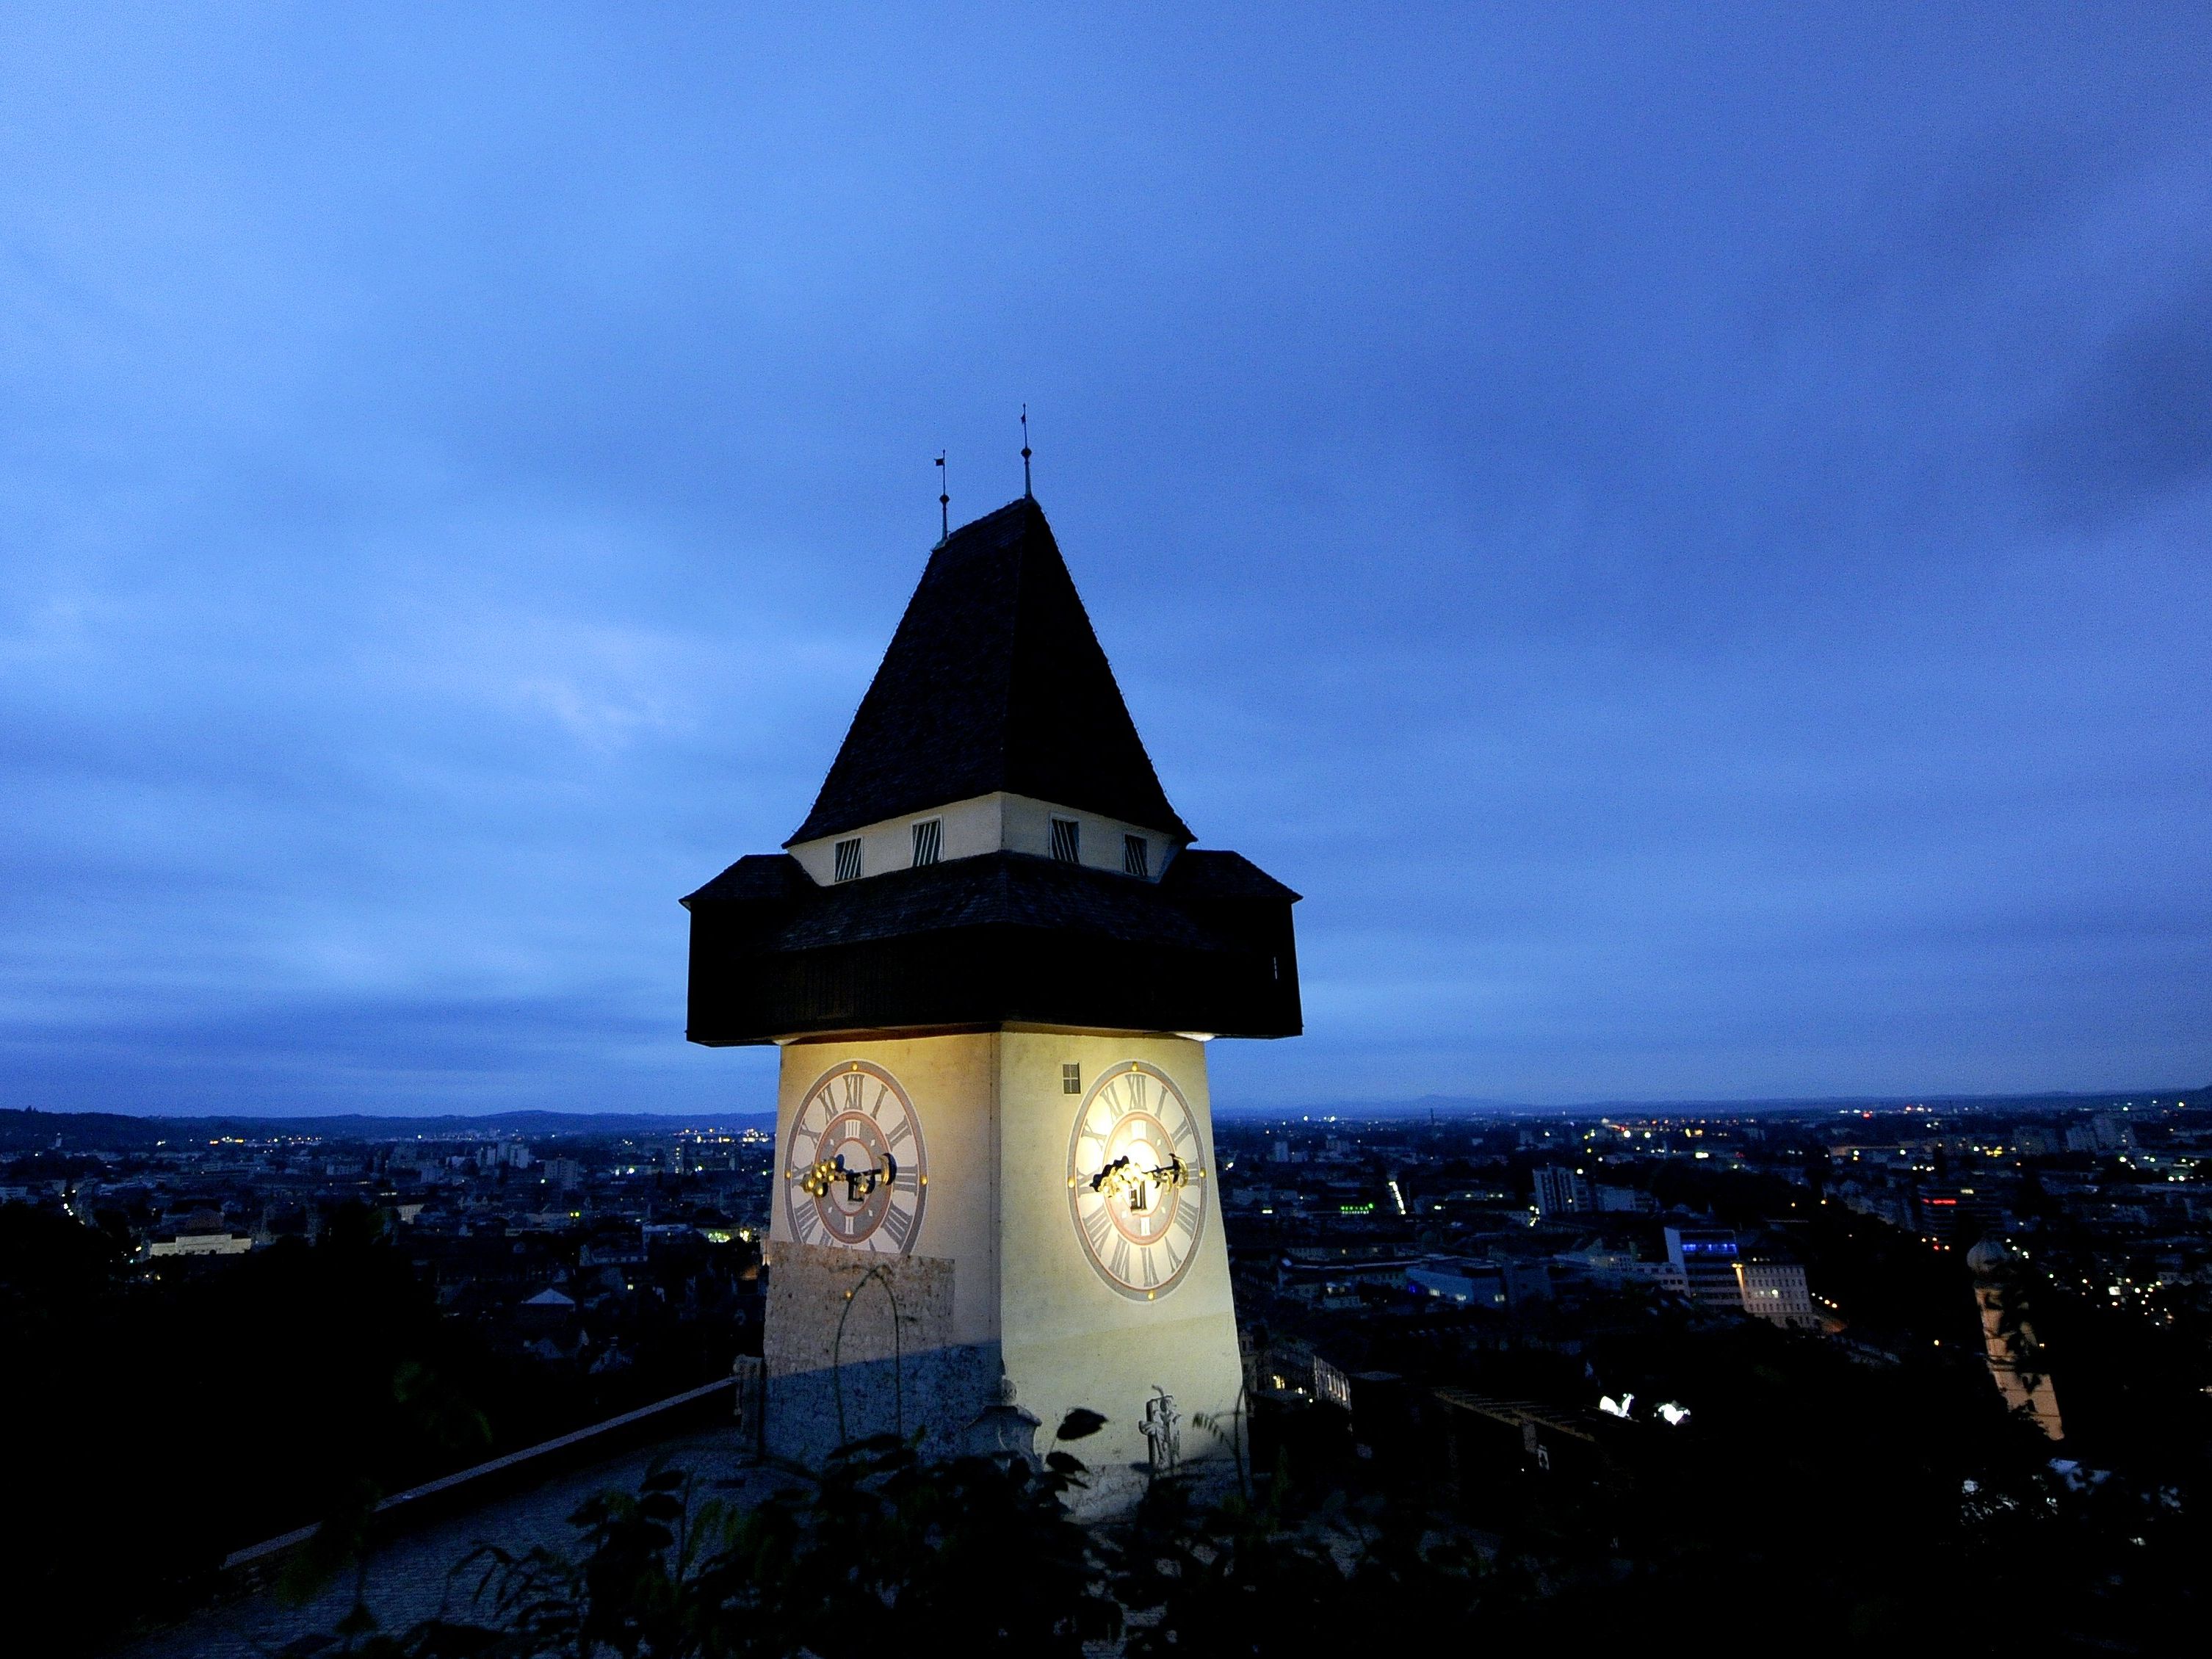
1067,840
1136,856
1071,1080
929,840
849,860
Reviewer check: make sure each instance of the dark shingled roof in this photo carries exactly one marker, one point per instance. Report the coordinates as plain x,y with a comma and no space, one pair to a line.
1017,890
1002,937
994,681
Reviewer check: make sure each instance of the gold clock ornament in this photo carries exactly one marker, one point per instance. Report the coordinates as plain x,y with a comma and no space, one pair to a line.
854,1173
1137,1181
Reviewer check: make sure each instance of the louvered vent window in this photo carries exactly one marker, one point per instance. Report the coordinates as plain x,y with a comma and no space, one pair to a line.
849,860
1067,840
1136,856
1071,1080
929,840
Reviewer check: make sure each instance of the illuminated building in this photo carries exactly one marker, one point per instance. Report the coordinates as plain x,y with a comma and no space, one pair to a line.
1706,1258
209,1241
1774,1287
1946,1215
1561,1191
991,960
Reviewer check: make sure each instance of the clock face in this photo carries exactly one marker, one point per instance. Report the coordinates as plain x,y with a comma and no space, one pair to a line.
853,1173
1137,1181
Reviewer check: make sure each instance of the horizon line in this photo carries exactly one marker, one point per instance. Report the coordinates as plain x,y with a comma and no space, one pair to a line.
1415,1107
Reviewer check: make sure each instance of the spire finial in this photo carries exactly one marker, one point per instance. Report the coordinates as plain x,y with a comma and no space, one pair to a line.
1026,496
943,501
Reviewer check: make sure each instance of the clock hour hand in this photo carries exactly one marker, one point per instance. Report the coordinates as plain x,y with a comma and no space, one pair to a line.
859,1184
1123,1176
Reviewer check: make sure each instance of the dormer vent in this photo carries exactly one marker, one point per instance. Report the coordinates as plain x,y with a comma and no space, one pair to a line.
1137,857
928,841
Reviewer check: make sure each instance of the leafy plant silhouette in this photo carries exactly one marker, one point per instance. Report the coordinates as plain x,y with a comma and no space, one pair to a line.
879,1545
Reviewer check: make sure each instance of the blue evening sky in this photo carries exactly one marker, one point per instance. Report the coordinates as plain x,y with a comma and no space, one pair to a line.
1682,530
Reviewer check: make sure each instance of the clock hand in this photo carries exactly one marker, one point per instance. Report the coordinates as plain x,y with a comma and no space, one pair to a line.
859,1184
1123,1176
817,1182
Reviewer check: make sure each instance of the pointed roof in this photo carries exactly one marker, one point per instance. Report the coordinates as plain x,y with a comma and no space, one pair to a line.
994,681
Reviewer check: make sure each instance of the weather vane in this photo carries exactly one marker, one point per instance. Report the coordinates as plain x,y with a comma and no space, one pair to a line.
943,501
1026,494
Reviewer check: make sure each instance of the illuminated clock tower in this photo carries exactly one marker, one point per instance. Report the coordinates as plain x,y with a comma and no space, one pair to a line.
992,961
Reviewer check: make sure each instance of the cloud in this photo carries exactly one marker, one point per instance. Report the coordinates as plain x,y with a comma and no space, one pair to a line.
1684,541
2137,425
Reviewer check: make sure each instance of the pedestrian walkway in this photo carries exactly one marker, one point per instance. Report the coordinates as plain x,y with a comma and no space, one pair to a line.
409,1575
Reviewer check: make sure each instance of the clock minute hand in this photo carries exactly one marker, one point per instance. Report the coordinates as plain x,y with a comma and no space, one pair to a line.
1121,1176
817,1182
859,1184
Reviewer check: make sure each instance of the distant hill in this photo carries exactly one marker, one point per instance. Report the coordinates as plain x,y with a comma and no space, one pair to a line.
1460,1107
30,1130
36,1131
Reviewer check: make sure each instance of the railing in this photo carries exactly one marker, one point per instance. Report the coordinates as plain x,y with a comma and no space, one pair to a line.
399,1500
1515,1413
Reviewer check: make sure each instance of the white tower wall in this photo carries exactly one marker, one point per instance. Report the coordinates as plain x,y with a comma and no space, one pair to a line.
1023,1295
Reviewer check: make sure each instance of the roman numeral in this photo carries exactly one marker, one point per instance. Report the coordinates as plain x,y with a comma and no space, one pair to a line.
1119,1267
883,1094
902,1130
1097,1224
804,1218
898,1224
853,1080
1135,1080
1152,1278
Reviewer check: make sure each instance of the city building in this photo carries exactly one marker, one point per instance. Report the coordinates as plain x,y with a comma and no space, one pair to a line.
1706,1258
1503,1283
1466,1284
1772,1286
1561,1191
2115,1133
993,962
1947,1215
201,1241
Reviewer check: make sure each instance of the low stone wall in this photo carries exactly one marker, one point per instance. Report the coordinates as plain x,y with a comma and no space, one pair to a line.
857,1345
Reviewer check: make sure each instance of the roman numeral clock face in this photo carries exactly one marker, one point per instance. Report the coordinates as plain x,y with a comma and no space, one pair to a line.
853,1174
1137,1181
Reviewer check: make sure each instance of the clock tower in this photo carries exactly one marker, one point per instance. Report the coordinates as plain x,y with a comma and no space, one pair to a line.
992,960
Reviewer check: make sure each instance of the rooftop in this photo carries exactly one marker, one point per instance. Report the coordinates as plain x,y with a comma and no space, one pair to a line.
994,682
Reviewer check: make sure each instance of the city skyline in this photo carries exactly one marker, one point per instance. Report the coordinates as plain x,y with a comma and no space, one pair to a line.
1679,537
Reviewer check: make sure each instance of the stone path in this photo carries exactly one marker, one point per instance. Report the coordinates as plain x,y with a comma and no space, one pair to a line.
407,1578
